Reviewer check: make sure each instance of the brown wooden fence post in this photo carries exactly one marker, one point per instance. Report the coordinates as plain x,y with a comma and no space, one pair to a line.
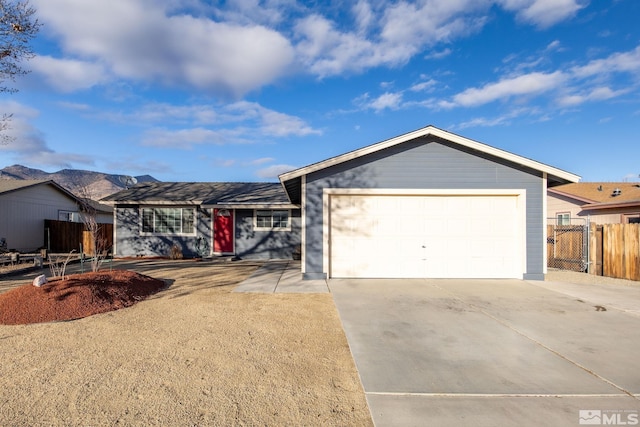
632,252
593,248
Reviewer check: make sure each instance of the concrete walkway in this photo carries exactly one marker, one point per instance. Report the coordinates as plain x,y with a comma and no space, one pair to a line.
281,276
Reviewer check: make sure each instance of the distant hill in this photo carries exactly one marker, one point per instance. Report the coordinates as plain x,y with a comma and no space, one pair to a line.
96,185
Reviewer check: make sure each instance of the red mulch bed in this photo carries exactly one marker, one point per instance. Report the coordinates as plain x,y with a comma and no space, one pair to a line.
79,295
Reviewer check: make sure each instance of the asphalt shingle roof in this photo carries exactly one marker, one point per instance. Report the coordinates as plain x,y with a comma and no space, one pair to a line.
207,193
7,185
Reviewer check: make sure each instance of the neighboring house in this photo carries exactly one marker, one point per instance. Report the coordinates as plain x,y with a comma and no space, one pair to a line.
599,202
427,204
247,220
25,204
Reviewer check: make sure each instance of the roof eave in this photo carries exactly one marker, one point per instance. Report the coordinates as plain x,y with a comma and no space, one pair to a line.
611,205
250,206
153,202
431,130
571,196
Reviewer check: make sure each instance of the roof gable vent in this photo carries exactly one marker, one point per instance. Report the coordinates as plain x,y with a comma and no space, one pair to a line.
616,192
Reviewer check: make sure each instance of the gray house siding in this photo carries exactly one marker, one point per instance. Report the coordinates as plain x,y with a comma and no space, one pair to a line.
252,244
22,215
130,242
425,163
249,243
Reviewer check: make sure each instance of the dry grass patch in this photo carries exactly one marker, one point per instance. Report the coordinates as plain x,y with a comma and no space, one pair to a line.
194,354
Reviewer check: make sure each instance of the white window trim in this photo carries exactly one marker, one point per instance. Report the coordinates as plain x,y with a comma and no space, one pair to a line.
147,233
75,216
255,220
558,214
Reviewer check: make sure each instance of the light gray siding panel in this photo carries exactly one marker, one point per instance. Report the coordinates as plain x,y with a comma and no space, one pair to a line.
427,163
22,215
252,244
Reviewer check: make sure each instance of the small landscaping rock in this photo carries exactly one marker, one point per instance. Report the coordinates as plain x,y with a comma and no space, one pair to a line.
40,280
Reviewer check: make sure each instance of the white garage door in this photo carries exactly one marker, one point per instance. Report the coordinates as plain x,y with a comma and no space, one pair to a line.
441,236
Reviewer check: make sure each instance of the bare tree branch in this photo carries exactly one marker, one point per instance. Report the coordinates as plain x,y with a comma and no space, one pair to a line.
18,26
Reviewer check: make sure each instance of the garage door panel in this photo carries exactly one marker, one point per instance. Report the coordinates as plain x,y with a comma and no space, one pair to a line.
425,236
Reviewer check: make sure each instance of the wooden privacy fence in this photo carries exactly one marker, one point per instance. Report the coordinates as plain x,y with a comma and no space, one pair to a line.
614,250
65,236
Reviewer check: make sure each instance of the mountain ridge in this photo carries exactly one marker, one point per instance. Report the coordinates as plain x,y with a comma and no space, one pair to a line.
83,183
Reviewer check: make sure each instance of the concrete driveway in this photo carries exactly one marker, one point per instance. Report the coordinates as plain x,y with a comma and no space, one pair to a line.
493,352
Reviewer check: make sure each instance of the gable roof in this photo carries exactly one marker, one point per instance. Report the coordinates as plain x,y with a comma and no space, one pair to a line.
11,185
207,194
289,179
601,195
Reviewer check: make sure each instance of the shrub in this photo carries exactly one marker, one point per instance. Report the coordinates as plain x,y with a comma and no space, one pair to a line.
175,252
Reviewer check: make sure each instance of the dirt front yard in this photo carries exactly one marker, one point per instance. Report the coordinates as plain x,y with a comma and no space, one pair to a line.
194,354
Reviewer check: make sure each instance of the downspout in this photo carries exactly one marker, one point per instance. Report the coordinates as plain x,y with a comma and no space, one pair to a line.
303,223
544,224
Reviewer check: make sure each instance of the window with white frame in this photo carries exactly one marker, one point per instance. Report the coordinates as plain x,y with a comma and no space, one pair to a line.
271,219
563,218
68,216
168,220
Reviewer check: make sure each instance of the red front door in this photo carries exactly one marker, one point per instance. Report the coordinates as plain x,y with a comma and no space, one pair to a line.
223,230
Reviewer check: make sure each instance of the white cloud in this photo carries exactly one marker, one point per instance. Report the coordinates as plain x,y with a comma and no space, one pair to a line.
235,123
500,120
439,54
233,48
621,62
140,40
240,122
402,30
364,16
595,94
187,138
261,161
274,171
593,81
387,100
326,51
554,46
248,12
426,86
28,145
68,75
526,84
543,13
278,124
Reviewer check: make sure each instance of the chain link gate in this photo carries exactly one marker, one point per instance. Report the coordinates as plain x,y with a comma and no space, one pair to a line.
568,244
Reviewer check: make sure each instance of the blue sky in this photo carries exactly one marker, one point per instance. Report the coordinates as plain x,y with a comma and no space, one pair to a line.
190,90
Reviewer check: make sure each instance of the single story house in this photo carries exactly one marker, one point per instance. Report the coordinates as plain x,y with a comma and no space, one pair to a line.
246,220
428,203
25,204
599,202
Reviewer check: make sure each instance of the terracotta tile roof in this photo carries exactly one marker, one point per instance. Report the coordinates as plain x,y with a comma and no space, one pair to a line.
601,192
